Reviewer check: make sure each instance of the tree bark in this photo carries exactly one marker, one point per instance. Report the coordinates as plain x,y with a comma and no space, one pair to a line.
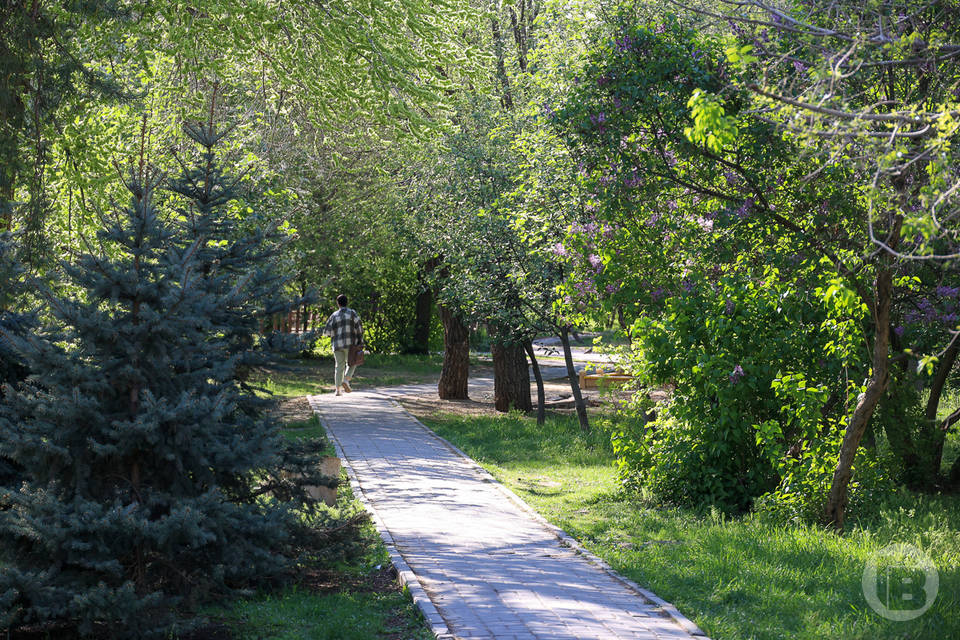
836,505
511,378
424,308
953,480
456,357
6,206
421,324
933,403
541,395
506,98
520,34
574,379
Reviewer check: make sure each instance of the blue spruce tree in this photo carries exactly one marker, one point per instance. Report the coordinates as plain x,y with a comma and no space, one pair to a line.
151,475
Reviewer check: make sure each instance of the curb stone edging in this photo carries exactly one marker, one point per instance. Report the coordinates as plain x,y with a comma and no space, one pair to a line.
565,538
437,624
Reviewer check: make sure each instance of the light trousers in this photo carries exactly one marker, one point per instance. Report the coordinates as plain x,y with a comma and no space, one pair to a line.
341,371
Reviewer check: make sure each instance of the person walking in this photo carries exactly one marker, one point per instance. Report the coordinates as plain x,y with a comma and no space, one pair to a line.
345,330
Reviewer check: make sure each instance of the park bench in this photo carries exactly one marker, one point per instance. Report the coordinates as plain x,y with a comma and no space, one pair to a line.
598,378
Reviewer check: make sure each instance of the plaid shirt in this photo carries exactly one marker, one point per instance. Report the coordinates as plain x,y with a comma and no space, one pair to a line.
344,328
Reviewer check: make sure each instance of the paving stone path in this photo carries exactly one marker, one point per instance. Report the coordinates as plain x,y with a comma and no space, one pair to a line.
479,562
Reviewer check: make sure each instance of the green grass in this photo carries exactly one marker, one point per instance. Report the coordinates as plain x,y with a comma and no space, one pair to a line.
356,612
301,377
361,610
738,578
298,615
309,428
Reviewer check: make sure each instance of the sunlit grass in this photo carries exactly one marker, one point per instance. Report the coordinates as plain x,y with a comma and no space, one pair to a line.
297,613
300,615
738,578
301,377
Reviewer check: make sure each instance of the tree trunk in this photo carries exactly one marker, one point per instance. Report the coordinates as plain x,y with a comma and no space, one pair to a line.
933,403
421,323
511,378
541,395
506,98
574,380
6,205
836,504
424,308
953,480
456,357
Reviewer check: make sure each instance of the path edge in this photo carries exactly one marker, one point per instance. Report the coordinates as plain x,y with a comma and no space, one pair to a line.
438,626
565,538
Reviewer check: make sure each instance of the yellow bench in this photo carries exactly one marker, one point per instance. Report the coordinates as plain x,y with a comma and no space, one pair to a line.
593,380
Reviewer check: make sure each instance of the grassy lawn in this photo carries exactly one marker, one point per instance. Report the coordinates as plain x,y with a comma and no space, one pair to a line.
301,377
310,428
737,577
355,599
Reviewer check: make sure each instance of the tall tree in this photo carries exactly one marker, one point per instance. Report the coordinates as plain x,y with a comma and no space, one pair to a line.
875,86
145,458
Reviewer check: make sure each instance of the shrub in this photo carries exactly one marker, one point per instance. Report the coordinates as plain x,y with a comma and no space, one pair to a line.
746,358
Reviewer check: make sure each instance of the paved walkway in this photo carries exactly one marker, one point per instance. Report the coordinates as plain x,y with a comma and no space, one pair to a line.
478,562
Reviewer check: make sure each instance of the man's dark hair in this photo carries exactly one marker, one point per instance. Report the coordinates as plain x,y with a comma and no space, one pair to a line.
342,300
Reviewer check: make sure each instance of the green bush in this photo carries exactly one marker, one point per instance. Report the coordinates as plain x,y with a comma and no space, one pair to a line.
748,361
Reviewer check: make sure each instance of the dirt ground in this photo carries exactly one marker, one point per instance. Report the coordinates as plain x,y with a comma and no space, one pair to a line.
293,410
423,401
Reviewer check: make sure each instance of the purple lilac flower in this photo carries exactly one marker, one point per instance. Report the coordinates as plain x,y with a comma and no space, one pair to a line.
744,210
672,205
617,102
659,293
586,288
632,181
687,285
613,288
948,292
736,374
928,313
653,220
558,249
949,319
899,331
799,66
661,28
